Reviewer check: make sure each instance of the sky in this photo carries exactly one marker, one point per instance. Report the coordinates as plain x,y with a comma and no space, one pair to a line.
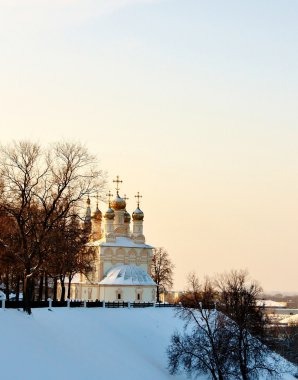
192,103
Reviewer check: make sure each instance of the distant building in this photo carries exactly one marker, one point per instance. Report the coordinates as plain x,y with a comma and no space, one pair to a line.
123,259
171,296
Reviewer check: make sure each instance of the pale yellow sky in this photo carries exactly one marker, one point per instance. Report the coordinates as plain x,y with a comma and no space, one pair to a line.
192,103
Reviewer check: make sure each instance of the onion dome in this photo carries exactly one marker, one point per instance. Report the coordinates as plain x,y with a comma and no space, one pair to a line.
118,203
97,214
109,214
127,217
138,214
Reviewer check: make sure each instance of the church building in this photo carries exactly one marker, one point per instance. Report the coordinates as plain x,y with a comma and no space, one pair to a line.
123,259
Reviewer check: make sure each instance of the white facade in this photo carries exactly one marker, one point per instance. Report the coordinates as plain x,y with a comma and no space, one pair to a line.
123,260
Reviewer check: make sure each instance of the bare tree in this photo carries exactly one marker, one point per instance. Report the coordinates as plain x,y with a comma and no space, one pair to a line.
38,188
225,342
205,345
10,268
162,270
284,340
70,254
238,300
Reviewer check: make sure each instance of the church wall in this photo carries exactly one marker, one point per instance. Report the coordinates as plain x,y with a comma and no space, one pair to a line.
109,293
83,291
128,293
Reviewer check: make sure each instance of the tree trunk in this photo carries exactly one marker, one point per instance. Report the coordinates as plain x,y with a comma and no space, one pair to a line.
27,293
157,294
7,288
55,289
62,298
46,287
40,290
32,289
68,290
220,376
17,288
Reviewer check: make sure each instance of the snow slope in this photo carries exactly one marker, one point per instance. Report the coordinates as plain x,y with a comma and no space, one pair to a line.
87,344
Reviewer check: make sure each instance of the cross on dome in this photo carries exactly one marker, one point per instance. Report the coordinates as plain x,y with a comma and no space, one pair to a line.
125,198
109,195
117,181
138,196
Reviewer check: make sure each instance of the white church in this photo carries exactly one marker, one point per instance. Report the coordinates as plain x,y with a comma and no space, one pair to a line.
123,259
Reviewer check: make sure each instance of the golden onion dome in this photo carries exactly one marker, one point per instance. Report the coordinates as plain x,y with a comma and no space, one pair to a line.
109,214
118,203
127,217
138,214
97,214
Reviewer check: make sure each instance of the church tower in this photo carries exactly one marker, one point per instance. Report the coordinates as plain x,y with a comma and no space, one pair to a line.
123,259
109,221
138,217
96,223
87,220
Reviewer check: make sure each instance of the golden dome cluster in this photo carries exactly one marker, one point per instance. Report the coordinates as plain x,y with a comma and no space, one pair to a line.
119,203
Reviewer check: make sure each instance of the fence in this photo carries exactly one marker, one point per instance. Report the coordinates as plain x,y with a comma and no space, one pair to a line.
78,303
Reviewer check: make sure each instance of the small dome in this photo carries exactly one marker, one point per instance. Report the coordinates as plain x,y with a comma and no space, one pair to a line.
109,214
118,203
127,217
97,214
122,274
138,214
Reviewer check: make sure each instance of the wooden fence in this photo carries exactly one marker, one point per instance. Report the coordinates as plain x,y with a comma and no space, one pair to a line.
79,303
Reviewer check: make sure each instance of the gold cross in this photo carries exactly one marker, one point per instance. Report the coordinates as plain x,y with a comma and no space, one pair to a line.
125,197
138,196
109,196
117,180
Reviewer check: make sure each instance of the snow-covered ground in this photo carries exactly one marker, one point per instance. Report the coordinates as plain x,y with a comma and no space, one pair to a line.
293,319
76,344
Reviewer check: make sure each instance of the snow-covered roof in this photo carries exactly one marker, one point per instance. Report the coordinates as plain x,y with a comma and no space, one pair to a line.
127,275
119,242
270,303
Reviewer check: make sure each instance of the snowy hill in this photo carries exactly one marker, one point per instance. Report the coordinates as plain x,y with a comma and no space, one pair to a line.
76,344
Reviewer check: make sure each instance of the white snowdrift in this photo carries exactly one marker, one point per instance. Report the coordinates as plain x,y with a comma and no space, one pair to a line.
76,344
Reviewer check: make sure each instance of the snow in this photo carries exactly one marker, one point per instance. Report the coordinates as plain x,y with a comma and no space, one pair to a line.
127,275
293,319
270,303
88,344
76,344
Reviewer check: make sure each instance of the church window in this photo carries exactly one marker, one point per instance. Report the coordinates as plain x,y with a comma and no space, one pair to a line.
139,297
119,296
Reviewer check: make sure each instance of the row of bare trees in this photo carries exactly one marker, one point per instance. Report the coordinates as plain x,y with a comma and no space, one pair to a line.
41,234
225,330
